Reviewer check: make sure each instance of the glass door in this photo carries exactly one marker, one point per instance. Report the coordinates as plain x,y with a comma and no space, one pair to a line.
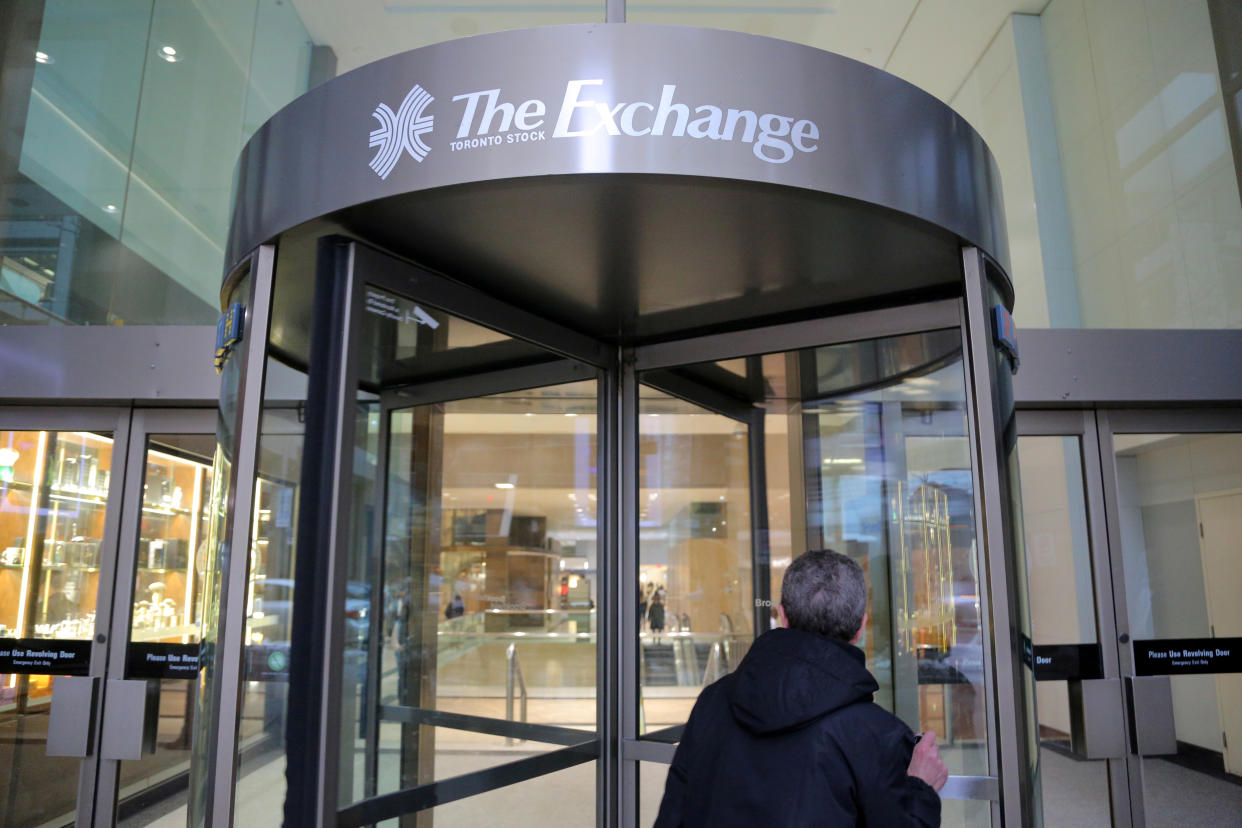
61,475
863,447
459,569
1131,540
1177,557
1083,770
158,612
101,522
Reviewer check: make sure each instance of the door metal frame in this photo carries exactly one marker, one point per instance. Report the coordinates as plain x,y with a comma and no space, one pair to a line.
144,423
1142,421
832,330
1008,742
217,760
617,743
1083,425
1096,430
346,268
117,422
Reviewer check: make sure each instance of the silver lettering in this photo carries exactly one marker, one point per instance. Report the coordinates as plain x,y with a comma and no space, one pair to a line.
627,119
569,104
666,108
528,110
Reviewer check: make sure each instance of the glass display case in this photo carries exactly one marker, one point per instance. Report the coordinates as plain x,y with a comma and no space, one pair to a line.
53,494
53,499
173,531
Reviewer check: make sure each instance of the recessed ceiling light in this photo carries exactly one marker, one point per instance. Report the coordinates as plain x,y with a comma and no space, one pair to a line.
504,485
169,54
109,208
43,57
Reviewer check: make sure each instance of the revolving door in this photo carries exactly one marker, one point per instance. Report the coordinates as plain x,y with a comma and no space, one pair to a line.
522,427
484,510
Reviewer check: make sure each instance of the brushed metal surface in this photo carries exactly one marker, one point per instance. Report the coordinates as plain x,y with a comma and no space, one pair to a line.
629,238
1097,726
71,722
871,136
130,726
1151,711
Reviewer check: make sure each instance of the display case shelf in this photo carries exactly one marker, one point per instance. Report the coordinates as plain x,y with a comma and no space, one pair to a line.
165,511
140,634
90,500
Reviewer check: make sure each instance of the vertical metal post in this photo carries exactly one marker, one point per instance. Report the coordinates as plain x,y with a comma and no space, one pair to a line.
614,11
626,653
801,364
760,549
1103,574
312,738
131,471
611,595
376,578
66,249
342,400
1012,737
1127,795
796,464
222,757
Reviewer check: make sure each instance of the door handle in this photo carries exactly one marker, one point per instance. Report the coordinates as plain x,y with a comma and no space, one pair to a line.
130,726
1150,702
71,721
1097,726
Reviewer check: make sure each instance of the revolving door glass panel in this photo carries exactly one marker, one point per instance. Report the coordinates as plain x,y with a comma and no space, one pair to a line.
861,447
470,601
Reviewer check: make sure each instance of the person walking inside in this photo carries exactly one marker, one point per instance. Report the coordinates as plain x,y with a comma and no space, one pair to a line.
792,737
655,617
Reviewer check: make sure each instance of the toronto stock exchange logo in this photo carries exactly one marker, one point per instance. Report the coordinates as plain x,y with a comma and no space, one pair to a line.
587,111
401,131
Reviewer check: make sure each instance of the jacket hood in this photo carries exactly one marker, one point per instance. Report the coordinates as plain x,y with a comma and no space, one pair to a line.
790,678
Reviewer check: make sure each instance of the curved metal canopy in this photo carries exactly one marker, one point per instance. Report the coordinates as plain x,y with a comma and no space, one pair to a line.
633,182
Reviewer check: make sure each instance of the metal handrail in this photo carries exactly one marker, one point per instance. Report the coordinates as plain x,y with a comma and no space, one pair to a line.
514,675
712,671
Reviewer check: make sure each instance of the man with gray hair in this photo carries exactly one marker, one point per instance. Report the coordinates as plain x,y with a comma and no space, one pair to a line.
792,737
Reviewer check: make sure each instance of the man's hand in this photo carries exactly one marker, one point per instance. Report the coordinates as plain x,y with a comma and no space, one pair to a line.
926,764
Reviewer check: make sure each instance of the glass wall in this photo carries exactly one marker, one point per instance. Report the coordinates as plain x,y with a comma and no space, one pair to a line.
124,120
1107,121
1108,124
116,198
1149,174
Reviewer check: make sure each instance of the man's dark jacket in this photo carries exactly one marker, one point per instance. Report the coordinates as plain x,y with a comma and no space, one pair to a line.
792,738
